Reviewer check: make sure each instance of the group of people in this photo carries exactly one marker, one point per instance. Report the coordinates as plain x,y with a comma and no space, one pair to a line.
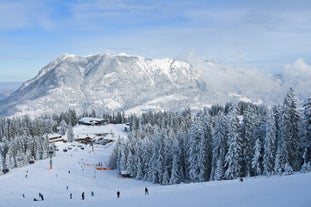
146,192
35,199
83,195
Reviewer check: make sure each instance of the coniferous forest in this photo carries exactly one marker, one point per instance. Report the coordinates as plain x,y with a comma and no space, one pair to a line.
23,139
221,142
217,143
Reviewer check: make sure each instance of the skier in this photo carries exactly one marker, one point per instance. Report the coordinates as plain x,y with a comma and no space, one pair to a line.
83,196
92,193
70,195
146,191
67,187
23,195
118,194
41,196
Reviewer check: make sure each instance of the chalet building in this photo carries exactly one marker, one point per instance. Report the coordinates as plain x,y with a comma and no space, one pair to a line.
85,140
55,138
90,121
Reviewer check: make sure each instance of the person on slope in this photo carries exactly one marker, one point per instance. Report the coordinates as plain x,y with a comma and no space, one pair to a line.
41,196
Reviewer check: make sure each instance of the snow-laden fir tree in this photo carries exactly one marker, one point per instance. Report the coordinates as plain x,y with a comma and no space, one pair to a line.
70,134
206,150
234,153
256,165
195,138
269,144
248,133
176,174
306,131
289,130
156,163
219,147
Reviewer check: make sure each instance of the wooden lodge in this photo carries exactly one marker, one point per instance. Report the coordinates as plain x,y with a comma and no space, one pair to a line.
55,138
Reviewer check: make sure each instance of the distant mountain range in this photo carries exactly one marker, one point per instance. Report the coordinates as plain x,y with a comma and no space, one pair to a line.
107,82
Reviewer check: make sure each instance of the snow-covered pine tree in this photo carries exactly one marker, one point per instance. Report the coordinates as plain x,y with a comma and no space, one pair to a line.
62,127
139,160
248,133
155,166
70,134
306,131
169,136
130,161
288,169
182,147
281,157
176,168
115,155
205,161
1,160
123,156
175,178
234,154
256,158
219,147
269,144
289,130
195,137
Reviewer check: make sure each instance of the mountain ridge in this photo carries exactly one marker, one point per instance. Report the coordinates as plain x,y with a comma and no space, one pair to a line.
108,83
101,82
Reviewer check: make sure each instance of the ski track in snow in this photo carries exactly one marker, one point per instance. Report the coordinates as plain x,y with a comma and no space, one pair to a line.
283,191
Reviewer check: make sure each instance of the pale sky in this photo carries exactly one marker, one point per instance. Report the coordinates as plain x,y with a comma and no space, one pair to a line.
265,34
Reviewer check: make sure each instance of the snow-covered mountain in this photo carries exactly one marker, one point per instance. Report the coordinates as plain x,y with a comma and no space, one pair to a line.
106,82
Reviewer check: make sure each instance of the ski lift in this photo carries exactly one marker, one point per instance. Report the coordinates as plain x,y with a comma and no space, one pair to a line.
51,150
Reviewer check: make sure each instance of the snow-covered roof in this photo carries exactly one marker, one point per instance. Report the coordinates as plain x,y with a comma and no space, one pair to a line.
124,172
90,120
54,135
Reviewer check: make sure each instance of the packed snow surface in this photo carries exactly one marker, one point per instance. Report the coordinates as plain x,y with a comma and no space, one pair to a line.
76,169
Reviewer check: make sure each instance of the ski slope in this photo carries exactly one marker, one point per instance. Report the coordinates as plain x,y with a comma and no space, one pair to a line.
276,191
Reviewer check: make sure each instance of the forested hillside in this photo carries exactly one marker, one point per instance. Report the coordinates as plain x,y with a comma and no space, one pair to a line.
222,142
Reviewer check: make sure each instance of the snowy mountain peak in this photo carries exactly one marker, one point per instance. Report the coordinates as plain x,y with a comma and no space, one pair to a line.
108,82
105,82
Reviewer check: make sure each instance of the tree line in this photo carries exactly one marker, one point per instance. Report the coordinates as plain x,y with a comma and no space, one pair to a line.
217,143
